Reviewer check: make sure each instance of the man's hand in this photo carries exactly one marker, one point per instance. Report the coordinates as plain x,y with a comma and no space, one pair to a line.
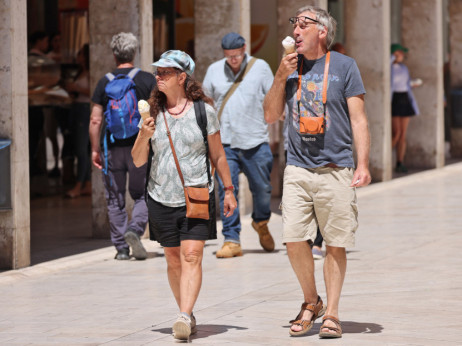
273,105
361,177
96,159
287,66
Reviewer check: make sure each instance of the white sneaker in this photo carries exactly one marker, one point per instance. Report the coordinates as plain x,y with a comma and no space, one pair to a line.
193,324
182,327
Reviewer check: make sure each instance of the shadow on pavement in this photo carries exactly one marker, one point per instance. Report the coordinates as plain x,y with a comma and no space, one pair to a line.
203,330
348,327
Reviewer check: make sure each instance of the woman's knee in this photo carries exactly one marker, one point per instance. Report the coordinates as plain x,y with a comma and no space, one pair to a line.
192,256
172,255
396,132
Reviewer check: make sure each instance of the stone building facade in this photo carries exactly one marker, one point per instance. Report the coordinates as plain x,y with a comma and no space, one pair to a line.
367,39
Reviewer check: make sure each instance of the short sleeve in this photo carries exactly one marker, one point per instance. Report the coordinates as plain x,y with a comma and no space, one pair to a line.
99,93
353,82
207,83
267,77
213,125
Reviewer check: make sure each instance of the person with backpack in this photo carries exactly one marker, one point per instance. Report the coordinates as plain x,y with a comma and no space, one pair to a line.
178,138
113,130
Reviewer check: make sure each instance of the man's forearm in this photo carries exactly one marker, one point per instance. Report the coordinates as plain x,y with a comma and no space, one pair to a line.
95,133
362,142
274,100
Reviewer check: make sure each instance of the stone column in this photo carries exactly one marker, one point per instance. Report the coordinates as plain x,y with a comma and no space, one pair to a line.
422,33
107,18
375,71
214,19
15,223
455,39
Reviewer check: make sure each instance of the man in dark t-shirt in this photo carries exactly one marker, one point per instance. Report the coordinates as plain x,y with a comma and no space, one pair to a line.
324,95
118,161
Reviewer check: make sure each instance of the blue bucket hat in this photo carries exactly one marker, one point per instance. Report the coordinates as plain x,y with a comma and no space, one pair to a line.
178,59
232,41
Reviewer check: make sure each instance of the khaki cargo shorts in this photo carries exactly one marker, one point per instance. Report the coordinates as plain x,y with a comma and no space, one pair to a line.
319,197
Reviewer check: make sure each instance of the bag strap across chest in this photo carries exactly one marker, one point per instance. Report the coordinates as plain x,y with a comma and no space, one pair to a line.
236,83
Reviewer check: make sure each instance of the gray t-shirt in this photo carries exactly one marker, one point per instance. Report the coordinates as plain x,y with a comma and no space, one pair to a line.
335,146
164,182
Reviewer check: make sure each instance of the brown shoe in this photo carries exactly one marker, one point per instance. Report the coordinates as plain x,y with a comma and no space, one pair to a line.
229,249
266,240
317,310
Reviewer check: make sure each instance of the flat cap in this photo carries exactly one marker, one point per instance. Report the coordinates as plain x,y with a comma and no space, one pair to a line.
232,41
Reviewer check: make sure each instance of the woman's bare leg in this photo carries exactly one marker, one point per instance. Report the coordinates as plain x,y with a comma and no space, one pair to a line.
191,273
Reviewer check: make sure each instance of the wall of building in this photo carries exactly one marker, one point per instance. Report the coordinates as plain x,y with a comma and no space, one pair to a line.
15,223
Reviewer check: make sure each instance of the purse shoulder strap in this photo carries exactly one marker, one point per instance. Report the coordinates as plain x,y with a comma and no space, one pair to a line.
236,83
201,118
173,149
148,171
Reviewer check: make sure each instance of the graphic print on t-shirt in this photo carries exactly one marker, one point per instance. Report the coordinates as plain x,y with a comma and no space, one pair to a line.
311,99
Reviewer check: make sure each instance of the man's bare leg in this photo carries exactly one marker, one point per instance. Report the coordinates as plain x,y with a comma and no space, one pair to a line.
334,275
302,263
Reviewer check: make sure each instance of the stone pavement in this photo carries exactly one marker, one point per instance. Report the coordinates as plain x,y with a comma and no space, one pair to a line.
403,283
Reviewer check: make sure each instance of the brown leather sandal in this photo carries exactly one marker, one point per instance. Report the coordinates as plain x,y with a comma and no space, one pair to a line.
317,309
337,331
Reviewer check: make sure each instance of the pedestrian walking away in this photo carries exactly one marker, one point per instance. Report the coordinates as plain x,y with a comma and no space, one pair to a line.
113,129
324,95
238,84
180,147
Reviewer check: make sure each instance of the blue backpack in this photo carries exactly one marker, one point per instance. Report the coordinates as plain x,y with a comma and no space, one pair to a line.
122,115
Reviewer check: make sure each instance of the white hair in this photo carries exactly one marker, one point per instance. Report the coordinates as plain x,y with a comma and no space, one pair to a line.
324,19
124,45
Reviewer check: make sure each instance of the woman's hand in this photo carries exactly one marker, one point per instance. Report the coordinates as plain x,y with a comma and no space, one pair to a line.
147,129
229,203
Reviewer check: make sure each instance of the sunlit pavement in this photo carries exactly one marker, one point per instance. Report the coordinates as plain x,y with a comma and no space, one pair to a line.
403,283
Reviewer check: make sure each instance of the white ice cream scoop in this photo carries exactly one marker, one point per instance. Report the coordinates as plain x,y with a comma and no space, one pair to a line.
289,45
143,108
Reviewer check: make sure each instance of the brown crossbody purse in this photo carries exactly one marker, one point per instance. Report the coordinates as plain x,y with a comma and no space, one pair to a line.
197,198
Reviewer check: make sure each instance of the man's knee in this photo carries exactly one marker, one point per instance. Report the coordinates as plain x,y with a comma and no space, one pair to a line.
336,251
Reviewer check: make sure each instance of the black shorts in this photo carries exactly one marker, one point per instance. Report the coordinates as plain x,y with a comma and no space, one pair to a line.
401,105
169,225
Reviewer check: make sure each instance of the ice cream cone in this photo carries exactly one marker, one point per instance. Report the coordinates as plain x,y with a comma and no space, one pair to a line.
143,108
289,45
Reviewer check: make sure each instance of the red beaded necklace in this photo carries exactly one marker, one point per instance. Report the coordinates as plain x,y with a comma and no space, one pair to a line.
171,113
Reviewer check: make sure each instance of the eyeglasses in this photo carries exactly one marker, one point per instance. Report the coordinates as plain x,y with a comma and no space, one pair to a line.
165,73
303,21
231,57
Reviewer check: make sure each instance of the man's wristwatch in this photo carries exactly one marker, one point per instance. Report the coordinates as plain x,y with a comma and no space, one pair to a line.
229,188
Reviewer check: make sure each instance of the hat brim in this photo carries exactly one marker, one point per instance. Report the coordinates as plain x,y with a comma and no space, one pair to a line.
166,63
401,48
